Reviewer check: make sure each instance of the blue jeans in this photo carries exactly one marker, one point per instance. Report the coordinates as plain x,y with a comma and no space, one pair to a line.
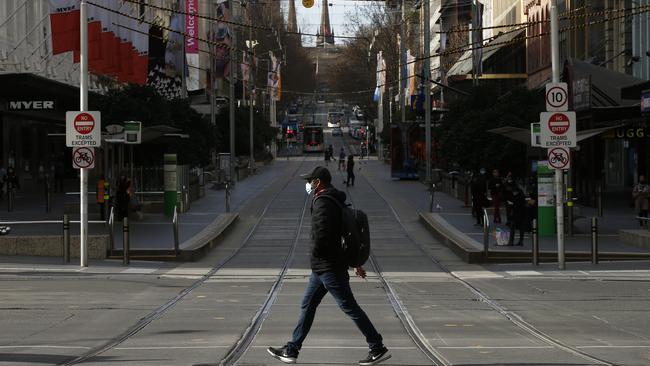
336,283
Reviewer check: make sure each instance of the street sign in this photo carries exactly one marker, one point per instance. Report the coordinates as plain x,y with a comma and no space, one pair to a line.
307,3
559,158
83,129
534,135
558,129
132,132
557,97
83,157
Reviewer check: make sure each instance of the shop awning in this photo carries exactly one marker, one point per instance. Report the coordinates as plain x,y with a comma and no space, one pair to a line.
464,64
523,135
606,85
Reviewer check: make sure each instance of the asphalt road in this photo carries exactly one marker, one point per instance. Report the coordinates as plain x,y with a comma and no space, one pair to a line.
195,313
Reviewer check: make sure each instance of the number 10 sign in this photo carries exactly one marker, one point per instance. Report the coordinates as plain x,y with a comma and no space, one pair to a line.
557,97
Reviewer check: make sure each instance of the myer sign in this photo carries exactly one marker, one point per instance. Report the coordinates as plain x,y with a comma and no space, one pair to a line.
30,105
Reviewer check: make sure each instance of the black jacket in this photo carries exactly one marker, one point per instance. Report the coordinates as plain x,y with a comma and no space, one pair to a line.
326,251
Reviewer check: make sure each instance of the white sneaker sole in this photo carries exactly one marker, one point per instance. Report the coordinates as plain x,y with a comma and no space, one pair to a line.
281,358
381,359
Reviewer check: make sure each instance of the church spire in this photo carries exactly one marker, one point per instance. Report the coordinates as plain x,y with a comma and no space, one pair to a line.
292,23
325,33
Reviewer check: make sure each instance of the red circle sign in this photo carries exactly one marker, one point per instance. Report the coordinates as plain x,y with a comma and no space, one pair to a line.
559,157
84,123
83,157
559,123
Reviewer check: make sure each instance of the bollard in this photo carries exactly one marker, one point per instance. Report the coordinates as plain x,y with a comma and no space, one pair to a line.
111,229
175,228
599,197
66,239
125,242
10,198
486,233
594,240
48,197
535,243
227,196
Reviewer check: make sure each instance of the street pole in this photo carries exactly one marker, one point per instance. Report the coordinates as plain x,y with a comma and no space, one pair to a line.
213,116
559,194
83,91
232,80
251,162
427,89
402,47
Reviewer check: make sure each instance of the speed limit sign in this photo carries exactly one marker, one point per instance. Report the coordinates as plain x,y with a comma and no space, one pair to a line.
557,97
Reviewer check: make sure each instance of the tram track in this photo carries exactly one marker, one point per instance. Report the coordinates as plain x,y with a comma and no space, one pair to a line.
513,317
164,308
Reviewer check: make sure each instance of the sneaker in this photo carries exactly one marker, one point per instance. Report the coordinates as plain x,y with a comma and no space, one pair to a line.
283,354
375,357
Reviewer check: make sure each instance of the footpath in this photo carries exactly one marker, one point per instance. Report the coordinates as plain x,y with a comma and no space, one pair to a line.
452,222
154,232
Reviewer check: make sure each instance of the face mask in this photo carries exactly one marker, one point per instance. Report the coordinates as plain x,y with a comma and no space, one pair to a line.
308,188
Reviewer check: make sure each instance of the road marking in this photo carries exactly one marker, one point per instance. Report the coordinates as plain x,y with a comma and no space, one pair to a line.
523,273
475,274
139,270
495,347
45,346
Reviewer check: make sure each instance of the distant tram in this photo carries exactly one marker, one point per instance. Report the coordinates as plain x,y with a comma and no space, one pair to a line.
313,138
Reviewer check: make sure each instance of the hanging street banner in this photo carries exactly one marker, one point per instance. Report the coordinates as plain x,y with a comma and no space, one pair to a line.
558,129
83,129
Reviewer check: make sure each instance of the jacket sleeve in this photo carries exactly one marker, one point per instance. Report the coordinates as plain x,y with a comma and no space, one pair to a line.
323,223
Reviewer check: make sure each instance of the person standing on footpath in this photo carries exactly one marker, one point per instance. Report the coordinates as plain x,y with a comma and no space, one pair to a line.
478,196
329,273
350,165
495,185
640,193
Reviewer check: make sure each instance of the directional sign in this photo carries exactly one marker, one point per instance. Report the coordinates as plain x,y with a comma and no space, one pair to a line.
558,129
83,157
83,129
559,158
557,99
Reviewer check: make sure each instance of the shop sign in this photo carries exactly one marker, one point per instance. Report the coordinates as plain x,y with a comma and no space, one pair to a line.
645,101
31,105
628,133
581,89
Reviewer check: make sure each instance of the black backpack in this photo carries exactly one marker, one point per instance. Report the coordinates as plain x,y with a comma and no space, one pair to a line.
355,233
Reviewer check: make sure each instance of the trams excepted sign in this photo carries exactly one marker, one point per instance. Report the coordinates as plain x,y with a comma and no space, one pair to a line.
558,129
83,157
83,129
559,158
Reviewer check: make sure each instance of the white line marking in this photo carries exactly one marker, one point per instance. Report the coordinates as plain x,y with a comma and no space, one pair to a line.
523,273
495,347
139,270
45,346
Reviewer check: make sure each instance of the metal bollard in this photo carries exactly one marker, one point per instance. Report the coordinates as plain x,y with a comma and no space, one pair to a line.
10,199
486,233
227,196
66,239
175,224
594,240
48,197
535,235
599,191
125,242
111,228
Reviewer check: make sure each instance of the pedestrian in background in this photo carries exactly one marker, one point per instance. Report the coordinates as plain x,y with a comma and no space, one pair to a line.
518,211
495,185
478,186
640,193
350,167
123,197
329,273
342,159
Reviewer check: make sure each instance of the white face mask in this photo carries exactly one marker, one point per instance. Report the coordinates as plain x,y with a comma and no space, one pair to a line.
308,188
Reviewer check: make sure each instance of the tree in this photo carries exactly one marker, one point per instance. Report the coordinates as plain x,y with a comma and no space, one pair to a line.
143,103
463,138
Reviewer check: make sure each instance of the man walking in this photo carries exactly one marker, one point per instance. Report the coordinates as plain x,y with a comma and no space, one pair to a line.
329,273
